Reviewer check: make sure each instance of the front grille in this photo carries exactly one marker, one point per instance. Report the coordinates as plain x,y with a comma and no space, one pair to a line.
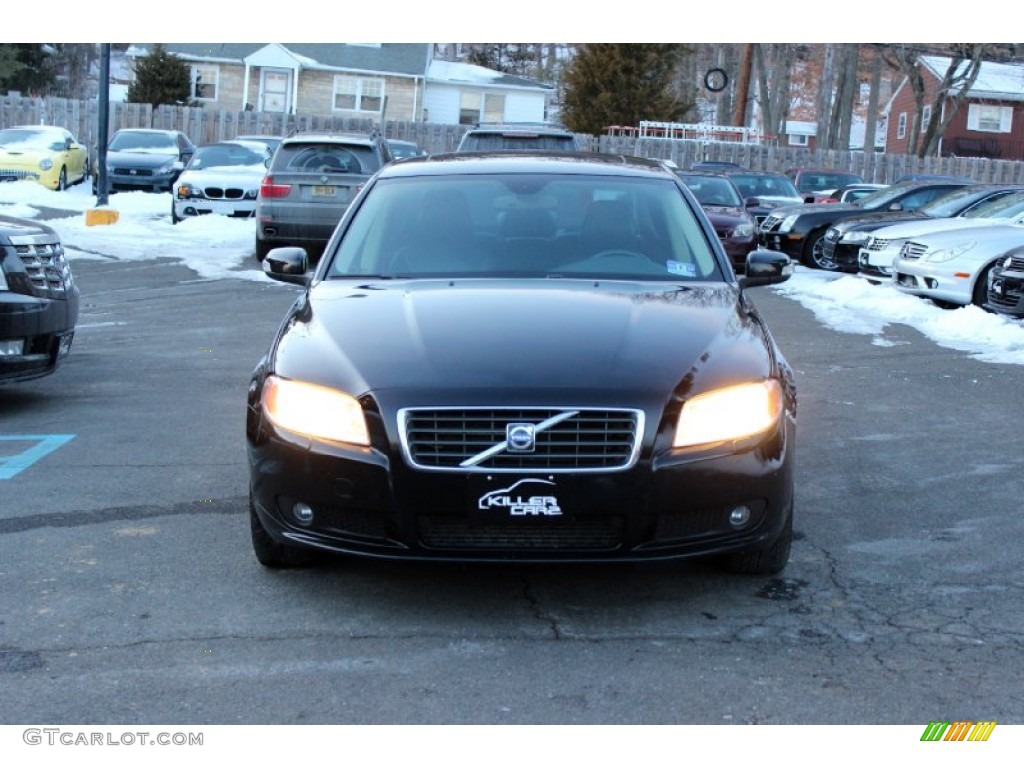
1016,262
454,533
15,174
771,223
912,250
133,171
219,193
585,440
759,220
876,244
46,266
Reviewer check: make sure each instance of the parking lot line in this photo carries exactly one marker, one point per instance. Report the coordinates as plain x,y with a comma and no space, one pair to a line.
43,446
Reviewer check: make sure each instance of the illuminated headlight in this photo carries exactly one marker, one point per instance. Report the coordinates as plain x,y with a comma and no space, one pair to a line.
46,164
855,237
187,190
948,254
729,414
315,411
788,222
743,230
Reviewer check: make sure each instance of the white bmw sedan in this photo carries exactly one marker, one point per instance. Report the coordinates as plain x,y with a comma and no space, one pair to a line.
221,178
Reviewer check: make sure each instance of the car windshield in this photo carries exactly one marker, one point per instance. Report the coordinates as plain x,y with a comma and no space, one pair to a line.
404,150
226,155
764,186
529,225
822,180
142,140
713,190
884,196
326,158
951,203
1005,207
22,139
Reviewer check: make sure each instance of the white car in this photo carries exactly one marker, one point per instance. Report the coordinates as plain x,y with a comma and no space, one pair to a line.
221,178
883,245
952,267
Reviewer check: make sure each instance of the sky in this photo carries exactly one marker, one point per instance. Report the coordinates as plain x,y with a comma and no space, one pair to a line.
217,247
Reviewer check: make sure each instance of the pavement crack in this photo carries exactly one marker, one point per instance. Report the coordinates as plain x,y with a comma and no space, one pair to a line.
534,604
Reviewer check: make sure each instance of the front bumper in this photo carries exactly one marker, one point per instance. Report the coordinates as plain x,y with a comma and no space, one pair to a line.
951,281
141,181
1006,292
791,244
46,327
843,255
877,265
370,502
202,206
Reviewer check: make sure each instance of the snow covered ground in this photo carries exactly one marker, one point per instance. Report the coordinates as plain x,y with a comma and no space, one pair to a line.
217,247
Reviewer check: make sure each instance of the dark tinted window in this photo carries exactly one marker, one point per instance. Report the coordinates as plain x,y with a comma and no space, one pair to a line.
476,142
326,158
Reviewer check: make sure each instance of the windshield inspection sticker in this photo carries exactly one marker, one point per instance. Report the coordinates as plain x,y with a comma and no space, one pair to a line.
516,503
681,268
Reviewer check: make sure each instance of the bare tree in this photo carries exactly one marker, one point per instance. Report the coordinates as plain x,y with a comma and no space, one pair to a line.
773,63
871,121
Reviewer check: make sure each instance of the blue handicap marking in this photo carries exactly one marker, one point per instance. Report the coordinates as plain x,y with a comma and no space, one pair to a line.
42,445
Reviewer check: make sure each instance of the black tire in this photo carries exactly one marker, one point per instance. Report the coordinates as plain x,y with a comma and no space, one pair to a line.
272,553
980,294
62,180
262,249
175,219
814,256
86,171
766,561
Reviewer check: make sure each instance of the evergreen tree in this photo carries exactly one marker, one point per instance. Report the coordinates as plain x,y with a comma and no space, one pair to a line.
622,84
161,78
25,67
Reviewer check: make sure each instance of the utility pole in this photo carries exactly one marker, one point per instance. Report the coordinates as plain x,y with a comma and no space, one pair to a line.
739,118
101,214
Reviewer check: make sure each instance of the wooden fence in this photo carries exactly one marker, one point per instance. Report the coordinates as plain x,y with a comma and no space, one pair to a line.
207,125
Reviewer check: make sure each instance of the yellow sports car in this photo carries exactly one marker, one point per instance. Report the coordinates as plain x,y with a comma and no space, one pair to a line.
43,153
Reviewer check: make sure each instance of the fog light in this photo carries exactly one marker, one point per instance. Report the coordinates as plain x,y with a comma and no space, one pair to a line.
303,513
739,517
12,348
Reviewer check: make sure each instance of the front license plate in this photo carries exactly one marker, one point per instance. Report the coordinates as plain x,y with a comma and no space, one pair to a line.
499,499
322,191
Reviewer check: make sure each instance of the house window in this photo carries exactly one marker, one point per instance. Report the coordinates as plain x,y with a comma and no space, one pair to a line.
359,94
926,117
204,81
989,118
901,126
475,107
797,140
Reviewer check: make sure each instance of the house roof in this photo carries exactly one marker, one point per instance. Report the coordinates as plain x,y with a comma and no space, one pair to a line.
470,74
394,58
996,81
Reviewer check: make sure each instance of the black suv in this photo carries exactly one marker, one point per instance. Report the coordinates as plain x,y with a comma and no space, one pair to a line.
38,300
486,137
311,181
799,230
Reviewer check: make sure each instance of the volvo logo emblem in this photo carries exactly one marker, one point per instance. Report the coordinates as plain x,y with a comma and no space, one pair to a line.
521,438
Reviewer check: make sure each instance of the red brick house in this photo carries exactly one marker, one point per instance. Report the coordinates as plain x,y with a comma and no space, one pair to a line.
990,123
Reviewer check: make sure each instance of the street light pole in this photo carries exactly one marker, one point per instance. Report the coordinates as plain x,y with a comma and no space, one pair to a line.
104,126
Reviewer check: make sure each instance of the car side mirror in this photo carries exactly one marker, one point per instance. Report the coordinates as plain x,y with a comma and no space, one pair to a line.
764,267
287,265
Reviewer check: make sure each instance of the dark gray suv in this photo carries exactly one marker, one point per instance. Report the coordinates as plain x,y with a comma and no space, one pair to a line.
311,181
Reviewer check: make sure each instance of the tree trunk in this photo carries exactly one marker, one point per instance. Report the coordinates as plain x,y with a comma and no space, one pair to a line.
824,100
871,124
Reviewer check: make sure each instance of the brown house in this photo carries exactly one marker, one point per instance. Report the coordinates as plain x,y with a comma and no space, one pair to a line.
990,123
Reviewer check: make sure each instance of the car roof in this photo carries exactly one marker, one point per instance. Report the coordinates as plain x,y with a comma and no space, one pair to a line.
331,138
551,128
534,161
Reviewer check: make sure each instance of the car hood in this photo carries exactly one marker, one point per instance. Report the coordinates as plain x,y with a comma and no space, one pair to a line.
989,238
514,339
771,201
923,228
880,219
11,226
226,174
725,216
29,158
813,208
142,158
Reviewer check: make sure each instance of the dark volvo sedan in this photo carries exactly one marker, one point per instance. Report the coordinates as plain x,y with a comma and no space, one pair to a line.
523,357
